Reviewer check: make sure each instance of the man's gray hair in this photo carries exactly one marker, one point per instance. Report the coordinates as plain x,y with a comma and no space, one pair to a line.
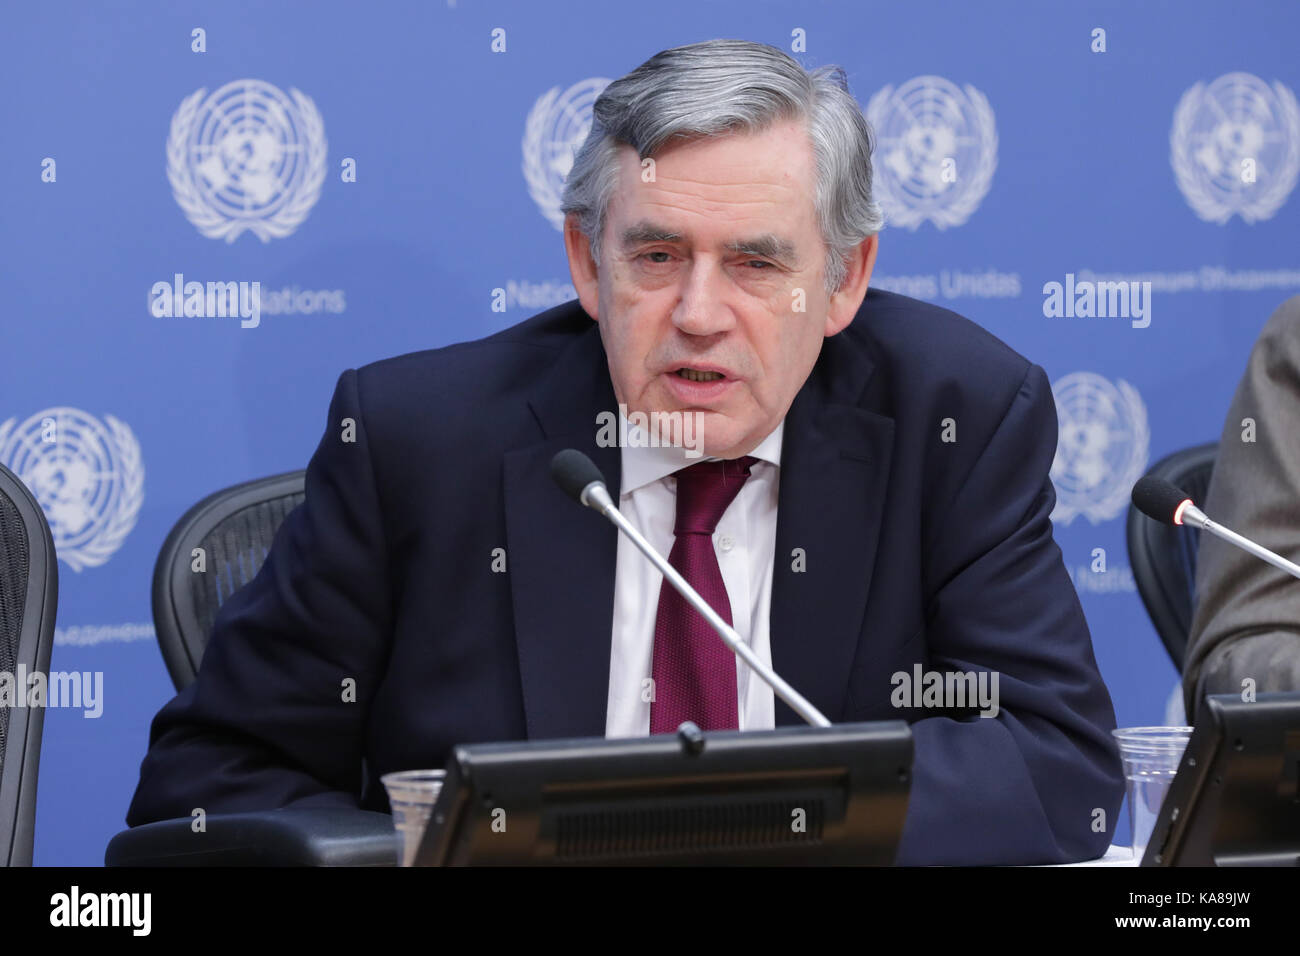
732,86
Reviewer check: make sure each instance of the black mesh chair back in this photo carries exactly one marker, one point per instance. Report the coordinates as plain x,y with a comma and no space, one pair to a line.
216,548
1164,556
29,588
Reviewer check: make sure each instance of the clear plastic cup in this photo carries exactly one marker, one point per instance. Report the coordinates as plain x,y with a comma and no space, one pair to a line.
412,794
1151,756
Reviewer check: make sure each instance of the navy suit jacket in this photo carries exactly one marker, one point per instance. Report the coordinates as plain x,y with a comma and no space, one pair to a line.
917,550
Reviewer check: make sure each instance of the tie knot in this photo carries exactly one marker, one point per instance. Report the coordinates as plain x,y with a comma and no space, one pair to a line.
705,490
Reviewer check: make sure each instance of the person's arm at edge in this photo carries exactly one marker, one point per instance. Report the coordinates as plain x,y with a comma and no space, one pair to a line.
269,722
1246,623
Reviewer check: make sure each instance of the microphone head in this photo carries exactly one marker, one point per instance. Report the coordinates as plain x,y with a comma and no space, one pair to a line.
573,471
1160,499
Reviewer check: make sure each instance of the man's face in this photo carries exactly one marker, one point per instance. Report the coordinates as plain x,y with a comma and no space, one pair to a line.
711,290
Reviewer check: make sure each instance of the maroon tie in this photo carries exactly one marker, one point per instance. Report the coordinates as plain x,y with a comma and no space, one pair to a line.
694,671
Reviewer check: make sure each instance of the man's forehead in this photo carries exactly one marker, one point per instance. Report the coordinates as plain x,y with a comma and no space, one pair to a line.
776,164
694,187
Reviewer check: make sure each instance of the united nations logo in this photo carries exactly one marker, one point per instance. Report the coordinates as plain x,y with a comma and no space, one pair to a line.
557,126
86,474
1235,147
936,150
248,157
1102,449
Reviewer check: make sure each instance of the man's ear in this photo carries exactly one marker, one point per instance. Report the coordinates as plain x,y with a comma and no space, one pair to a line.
582,267
847,299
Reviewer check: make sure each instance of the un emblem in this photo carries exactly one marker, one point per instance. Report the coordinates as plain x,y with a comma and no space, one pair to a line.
936,150
86,474
248,157
1102,446
557,126
1235,147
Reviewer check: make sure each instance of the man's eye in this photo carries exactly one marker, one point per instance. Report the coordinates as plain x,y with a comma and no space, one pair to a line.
657,261
759,262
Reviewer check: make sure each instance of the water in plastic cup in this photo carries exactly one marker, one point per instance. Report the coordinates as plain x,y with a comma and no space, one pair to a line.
412,794
1151,756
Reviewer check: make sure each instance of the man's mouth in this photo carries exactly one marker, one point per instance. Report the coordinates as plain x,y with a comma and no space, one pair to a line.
699,375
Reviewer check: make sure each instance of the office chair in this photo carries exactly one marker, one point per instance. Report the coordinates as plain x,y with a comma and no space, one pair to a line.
29,589
227,535
1164,557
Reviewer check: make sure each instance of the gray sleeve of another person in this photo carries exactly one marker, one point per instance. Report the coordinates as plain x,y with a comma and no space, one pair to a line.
1247,619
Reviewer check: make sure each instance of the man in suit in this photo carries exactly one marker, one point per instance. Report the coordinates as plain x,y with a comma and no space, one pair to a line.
871,506
1246,626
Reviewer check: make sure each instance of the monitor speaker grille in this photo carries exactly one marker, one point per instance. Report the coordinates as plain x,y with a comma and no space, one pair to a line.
650,830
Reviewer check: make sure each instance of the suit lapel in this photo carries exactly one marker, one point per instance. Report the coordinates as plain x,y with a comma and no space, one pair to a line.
561,556
834,475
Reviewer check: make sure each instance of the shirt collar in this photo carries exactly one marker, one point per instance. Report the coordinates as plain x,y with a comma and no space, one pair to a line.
643,465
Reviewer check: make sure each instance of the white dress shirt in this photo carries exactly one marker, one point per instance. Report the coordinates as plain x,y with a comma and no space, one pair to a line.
745,543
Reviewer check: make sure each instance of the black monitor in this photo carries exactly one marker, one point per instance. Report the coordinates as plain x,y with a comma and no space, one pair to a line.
800,795
1234,800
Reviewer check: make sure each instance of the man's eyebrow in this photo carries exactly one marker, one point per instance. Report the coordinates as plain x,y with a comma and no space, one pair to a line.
768,245
643,232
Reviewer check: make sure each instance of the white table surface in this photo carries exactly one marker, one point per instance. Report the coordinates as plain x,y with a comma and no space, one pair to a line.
1115,856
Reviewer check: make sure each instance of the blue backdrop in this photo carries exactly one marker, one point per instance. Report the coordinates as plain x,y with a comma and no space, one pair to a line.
388,173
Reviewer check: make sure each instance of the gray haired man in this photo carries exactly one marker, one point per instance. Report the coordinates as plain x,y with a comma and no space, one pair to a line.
874,505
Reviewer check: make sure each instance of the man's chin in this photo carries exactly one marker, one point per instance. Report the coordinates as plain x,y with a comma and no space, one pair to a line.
720,437
698,432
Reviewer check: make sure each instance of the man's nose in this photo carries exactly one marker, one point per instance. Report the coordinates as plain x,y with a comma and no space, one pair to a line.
703,308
